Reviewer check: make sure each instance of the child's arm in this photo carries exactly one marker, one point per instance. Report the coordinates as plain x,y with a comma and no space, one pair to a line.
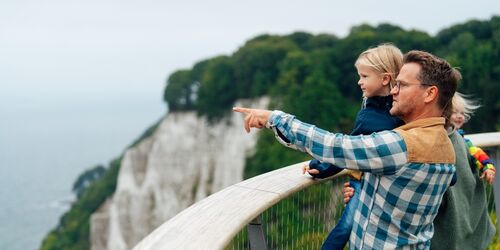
324,169
482,161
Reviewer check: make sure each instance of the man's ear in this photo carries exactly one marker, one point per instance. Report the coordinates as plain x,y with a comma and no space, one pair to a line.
431,94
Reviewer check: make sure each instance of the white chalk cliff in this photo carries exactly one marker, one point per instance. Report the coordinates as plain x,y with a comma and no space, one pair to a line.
185,160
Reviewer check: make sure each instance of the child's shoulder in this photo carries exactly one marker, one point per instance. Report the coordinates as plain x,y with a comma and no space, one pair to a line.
369,121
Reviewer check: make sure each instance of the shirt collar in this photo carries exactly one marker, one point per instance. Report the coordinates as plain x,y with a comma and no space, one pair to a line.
425,122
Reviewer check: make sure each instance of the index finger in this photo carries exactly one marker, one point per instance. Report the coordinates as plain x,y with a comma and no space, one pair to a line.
242,110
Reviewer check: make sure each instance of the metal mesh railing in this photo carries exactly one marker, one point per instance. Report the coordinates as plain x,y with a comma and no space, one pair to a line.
494,153
303,220
300,221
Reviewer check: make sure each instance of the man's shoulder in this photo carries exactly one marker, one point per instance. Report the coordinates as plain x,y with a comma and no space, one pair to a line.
427,142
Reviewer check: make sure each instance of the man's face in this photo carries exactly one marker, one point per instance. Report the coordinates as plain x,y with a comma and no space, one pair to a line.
408,98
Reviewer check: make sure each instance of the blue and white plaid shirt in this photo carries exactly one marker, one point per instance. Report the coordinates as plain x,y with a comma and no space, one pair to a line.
398,200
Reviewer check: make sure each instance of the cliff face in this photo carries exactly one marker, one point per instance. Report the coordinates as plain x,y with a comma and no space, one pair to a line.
185,160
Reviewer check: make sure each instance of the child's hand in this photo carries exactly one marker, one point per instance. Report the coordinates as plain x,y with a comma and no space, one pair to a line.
310,171
489,175
348,192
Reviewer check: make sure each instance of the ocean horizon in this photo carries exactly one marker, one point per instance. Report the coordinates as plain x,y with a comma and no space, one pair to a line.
48,139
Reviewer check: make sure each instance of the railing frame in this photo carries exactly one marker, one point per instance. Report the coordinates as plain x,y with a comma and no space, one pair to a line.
256,234
214,221
496,186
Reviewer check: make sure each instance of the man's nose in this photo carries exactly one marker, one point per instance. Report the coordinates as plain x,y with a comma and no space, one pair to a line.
394,91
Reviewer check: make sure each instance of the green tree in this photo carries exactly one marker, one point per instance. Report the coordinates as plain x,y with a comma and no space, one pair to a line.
181,91
256,64
217,91
86,179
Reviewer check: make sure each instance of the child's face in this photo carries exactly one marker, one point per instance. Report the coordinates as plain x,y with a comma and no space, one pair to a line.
457,118
371,82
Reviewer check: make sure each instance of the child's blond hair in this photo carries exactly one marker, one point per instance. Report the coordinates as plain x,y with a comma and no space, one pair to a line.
385,58
462,103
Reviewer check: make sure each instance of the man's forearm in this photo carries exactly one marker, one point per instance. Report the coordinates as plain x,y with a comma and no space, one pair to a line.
379,152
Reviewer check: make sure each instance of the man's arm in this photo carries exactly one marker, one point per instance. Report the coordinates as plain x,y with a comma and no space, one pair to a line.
378,153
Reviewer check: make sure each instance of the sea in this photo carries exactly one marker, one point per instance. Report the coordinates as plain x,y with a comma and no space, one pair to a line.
48,138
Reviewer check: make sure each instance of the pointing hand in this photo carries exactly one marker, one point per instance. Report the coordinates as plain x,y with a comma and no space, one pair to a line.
254,118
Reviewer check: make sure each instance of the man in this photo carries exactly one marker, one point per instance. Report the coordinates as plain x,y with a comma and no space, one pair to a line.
407,169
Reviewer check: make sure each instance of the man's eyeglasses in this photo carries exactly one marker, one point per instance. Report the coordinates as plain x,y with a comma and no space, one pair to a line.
399,84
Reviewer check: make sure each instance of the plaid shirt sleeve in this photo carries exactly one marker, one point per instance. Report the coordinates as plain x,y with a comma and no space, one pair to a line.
378,153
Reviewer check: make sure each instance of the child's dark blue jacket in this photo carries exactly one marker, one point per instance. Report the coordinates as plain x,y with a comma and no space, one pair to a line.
375,116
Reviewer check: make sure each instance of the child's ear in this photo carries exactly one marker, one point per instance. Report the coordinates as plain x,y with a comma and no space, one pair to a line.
386,79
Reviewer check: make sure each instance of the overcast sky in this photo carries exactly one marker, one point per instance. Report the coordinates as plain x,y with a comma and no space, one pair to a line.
57,46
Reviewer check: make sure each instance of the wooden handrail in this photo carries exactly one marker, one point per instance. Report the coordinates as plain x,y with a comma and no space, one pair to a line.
485,139
214,221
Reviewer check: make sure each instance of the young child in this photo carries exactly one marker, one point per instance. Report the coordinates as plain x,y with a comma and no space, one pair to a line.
462,111
377,69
